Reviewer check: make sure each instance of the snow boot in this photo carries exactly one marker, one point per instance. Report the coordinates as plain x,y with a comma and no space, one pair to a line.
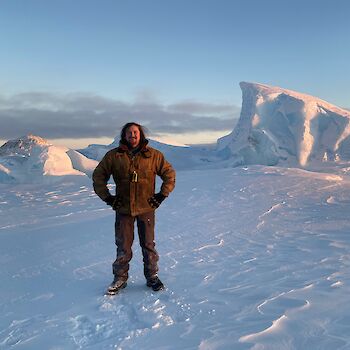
116,286
155,283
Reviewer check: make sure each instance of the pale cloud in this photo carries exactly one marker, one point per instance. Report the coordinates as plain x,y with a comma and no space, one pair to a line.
195,107
58,116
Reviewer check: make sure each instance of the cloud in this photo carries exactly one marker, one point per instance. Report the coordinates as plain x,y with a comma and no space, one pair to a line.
195,107
55,116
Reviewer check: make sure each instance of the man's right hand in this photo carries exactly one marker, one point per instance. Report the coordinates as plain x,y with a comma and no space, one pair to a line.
114,201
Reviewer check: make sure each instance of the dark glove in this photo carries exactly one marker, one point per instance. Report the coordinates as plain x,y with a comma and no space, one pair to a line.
156,200
114,201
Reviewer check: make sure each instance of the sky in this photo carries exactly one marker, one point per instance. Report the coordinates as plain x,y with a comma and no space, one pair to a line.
75,71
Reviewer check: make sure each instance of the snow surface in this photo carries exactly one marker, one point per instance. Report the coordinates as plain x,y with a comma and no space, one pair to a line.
253,258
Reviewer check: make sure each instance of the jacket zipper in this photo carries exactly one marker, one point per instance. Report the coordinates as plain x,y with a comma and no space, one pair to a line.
133,184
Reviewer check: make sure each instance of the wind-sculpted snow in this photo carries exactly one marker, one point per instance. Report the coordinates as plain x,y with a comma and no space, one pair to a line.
279,126
253,258
31,159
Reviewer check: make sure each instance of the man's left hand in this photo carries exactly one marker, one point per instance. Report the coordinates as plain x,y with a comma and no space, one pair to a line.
156,200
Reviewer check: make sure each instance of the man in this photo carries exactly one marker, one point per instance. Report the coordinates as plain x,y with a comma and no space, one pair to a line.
134,166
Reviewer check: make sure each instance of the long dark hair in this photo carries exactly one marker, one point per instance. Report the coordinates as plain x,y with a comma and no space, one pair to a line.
127,126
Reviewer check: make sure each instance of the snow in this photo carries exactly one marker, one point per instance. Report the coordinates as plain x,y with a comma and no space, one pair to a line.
56,162
33,159
253,257
280,126
82,163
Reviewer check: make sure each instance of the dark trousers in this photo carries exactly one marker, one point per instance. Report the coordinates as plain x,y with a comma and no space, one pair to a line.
124,237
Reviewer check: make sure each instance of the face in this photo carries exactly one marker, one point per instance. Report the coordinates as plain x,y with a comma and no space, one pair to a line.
132,136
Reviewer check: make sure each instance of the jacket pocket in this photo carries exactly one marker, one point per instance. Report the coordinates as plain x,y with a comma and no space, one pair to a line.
145,190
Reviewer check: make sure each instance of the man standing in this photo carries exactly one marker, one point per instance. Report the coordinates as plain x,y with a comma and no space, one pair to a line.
134,166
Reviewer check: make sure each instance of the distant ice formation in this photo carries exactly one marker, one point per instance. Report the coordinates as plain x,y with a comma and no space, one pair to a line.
279,126
276,126
31,159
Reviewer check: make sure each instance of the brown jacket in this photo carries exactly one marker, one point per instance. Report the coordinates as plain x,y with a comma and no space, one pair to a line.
123,166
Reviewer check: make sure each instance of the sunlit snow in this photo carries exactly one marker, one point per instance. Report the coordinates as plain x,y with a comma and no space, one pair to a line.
253,256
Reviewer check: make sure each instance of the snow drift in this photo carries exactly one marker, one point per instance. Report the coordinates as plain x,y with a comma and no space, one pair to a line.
31,159
279,126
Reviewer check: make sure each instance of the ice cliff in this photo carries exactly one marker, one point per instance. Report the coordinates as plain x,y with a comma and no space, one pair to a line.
279,126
